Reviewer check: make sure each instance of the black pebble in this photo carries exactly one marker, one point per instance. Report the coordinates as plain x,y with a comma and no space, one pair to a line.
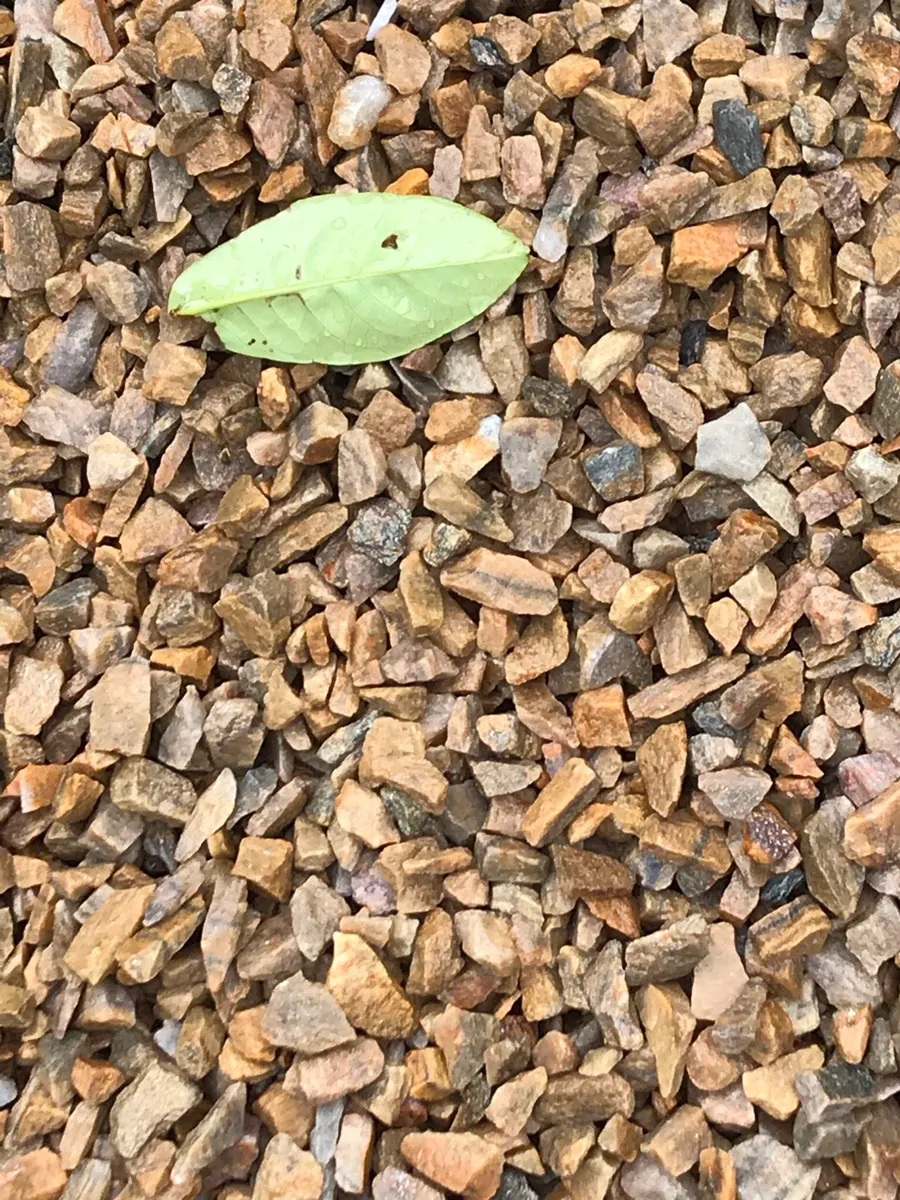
486,53
700,543
782,888
548,398
693,339
514,1186
738,135
6,160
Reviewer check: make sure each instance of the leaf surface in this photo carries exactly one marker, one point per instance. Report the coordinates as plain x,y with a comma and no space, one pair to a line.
351,278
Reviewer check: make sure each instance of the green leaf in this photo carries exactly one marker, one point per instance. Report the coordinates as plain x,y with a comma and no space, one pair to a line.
351,278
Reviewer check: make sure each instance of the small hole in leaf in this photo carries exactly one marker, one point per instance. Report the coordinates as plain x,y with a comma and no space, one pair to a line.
390,242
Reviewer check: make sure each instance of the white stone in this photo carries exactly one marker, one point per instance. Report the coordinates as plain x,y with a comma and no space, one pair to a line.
733,446
110,462
357,107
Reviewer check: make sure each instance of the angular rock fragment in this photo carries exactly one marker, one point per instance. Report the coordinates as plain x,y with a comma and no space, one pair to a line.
733,446
501,581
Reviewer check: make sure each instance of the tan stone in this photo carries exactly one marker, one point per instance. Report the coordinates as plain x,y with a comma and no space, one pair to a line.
462,1162
700,253
600,717
564,797
92,952
360,983
771,1088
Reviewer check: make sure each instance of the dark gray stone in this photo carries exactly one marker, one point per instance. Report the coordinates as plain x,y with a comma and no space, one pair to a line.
547,398
170,182
835,1091
66,608
410,818
71,358
568,199
616,471
826,1139
693,339
881,643
885,412
380,529
738,135
514,1186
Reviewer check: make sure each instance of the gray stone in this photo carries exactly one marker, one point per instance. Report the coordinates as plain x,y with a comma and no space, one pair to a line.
514,1186
832,878
526,446
324,1137
305,1017
876,938
380,529
872,474
144,787
607,994
212,1136
842,979
616,471
814,1140
69,361
606,653
565,204
58,416
670,28
885,407
881,1057
735,1029
232,86
738,135
394,1184
67,607
170,182
548,398
735,791
733,446
834,1092
316,912
149,1107
646,1179
881,643
670,953
768,1170
119,294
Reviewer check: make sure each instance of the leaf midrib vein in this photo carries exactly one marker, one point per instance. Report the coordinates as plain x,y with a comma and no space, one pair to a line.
300,290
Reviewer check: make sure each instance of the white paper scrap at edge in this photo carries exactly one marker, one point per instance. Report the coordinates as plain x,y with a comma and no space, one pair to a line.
383,17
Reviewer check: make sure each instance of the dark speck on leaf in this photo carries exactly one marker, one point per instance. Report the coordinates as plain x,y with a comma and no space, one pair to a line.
693,339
